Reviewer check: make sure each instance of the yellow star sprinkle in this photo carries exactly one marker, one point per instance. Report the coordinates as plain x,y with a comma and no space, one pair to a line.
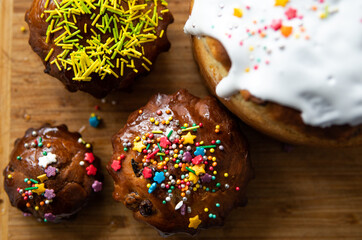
40,189
200,168
188,138
238,12
138,146
281,2
194,222
42,178
193,178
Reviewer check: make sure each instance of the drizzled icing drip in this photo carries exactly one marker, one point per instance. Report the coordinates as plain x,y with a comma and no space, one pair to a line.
303,54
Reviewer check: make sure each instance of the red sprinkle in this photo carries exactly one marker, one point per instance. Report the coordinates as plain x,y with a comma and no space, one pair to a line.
116,165
91,170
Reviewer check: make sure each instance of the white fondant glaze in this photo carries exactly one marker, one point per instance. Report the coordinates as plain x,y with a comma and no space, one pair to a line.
321,77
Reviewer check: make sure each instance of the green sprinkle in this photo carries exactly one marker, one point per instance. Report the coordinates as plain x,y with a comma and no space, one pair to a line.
169,134
33,181
191,170
210,146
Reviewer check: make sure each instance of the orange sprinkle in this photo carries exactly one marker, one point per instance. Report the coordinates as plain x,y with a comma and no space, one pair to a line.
140,111
183,168
28,205
48,145
41,203
286,31
168,111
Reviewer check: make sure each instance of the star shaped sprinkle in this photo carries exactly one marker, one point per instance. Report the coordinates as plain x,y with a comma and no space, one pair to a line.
281,3
188,138
44,161
199,151
206,178
116,165
286,31
187,157
194,222
91,170
147,172
51,171
291,13
49,194
164,142
159,177
197,160
199,169
40,189
238,12
42,177
97,186
89,157
193,178
49,217
276,24
138,146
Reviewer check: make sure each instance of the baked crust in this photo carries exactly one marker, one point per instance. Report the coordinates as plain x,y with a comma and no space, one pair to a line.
278,121
130,185
71,184
97,87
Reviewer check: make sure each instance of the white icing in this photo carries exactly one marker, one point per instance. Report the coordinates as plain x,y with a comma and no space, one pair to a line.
44,161
321,77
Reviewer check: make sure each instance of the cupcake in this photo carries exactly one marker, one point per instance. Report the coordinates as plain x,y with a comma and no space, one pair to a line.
97,46
180,163
288,68
52,173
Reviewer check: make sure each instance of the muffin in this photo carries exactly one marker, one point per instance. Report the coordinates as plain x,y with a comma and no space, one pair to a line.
52,173
180,163
100,46
282,66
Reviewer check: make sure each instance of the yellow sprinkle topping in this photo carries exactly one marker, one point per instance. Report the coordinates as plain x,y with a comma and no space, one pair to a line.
128,23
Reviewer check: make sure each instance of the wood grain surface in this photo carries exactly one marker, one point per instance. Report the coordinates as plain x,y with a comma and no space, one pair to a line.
306,193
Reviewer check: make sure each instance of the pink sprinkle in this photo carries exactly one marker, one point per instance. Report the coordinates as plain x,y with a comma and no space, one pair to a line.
291,13
241,42
276,24
256,67
248,7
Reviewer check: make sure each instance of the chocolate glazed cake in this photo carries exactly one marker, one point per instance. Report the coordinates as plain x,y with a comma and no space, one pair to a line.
102,45
52,173
180,163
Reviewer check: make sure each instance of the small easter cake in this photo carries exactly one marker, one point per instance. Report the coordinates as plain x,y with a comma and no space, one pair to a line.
180,163
52,173
98,45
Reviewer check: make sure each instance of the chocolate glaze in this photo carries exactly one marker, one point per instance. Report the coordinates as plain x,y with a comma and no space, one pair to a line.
96,87
72,185
131,189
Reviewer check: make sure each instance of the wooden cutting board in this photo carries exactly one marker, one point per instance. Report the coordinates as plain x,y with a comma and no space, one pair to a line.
306,193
